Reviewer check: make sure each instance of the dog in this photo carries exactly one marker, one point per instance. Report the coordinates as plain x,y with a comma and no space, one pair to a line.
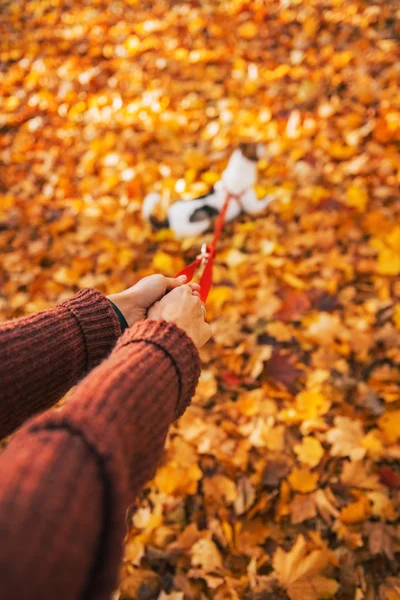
188,218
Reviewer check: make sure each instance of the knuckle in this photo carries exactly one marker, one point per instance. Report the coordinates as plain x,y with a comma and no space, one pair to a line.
158,278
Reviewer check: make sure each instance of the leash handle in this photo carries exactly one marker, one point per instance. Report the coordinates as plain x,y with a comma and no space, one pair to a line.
207,255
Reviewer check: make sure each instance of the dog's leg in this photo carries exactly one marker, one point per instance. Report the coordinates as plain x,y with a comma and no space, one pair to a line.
251,204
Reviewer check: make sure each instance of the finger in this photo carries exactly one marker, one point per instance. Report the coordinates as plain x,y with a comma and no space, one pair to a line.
195,293
195,287
186,290
174,282
196,303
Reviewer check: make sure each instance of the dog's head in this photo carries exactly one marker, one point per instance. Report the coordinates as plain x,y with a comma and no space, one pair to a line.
252,151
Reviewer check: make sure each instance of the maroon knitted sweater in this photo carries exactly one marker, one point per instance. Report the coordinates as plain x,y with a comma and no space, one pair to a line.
68,476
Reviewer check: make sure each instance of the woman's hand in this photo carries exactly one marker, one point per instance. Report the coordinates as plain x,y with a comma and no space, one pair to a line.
183,307
136,300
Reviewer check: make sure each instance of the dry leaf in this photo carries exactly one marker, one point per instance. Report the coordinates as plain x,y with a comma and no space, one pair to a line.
205,554
310,451
354,474
346,438
299,572
303,480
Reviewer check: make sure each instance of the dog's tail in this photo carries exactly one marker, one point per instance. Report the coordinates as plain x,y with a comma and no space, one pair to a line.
149,204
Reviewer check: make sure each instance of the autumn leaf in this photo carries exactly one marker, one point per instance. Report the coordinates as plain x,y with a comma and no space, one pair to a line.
346,438
389,424
205,554
299,572
357,197
173,478
280,368
354,474
356,511
302,508
310,451
303,480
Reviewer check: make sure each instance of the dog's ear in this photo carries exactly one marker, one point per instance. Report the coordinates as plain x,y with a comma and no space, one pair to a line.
252,151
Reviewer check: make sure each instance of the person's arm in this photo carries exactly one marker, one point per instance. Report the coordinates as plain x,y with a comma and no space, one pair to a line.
68,476
43,355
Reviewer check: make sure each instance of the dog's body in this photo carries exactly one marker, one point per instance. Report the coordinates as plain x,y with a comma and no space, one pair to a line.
193,217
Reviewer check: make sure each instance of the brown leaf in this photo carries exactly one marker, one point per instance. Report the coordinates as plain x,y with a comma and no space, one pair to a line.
280,368
302,508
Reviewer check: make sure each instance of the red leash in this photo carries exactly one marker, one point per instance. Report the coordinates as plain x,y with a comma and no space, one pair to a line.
207,255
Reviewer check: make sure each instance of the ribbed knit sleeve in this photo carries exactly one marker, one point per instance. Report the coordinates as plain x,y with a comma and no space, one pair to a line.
43,355
68,476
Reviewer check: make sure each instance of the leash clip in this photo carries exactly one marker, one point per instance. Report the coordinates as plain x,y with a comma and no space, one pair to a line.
204,253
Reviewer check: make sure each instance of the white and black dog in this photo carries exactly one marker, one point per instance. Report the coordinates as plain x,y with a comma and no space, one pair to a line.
192,217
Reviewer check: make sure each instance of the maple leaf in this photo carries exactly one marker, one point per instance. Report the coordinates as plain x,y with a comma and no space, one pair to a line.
302,508
303,480
280,368
346,438
205,554
354,474
294,304
299,572
310,451
357,511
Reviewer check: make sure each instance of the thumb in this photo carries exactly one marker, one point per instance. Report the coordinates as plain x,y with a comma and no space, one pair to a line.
174,282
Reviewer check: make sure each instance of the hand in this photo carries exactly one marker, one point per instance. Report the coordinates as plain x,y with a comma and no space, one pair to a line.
183,307
134,302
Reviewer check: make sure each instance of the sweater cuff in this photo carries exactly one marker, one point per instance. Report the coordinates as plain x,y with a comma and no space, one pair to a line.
98,324
180,349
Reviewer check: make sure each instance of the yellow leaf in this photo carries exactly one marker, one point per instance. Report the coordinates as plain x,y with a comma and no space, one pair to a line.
373,444
173,478
311,404
247,30
389,262
355,474
303,480
346,438
207,387
341,152
294,281
393,239
389,424
356,511
310,451
205,554
299,572
219,295
357,197
210,177
219,488
382,506
342,59
167,264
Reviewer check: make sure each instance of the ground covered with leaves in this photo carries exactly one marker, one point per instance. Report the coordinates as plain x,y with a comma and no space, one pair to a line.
282,480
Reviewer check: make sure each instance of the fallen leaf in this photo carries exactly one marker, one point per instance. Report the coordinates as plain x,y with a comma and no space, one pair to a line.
280,368
205,554
356,512
389,424
354,474
303,480
302,508
299,572
310,451
346,438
